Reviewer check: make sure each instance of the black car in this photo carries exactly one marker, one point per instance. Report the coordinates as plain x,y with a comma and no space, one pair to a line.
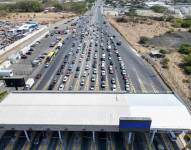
118,43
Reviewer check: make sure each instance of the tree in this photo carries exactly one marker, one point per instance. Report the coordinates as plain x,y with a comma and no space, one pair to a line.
28,6
58,6
184,48
159,9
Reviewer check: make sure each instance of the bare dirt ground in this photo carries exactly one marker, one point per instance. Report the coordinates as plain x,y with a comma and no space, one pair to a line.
171,40
44,18
133,30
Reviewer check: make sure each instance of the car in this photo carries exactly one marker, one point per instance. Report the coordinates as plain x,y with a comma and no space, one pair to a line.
65,79
68,73
111,71
61,87
23,57
70,67
51,86
94,71
113,87
82,82
125,77
113,80
127,86
37,139
93,78
103,85
46,65
73,61
87,67
84,74
172,136
38,76
87,59
103,73
31,49
54,81
119,43
94,65
58,72
52,44
78,68
119,59
76,75
92,88
123,72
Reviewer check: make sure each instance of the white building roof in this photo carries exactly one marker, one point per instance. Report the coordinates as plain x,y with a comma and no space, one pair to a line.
98,109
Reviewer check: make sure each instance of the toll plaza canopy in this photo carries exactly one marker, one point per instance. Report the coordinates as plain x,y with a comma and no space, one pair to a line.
91,111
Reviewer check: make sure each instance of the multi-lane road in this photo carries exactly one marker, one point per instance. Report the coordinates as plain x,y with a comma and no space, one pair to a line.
93,57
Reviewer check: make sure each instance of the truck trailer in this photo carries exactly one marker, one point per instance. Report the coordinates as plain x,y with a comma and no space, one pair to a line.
6,73
29,83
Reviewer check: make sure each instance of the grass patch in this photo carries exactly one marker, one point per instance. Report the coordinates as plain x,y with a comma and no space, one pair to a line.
181,23
3,95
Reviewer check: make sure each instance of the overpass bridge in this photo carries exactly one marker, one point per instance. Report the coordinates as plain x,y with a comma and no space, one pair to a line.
95,112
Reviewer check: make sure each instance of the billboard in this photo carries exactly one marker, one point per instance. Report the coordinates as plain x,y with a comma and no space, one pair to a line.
14,82
134,124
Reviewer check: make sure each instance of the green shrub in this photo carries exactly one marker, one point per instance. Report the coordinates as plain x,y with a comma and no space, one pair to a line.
187,60
132,12
28,6
165,62
187,70
181,23
143,40
121,19
186,23
158,9
171,30
184,48
170,18
78,7
163,51
58,6
23,6
2,95
187,64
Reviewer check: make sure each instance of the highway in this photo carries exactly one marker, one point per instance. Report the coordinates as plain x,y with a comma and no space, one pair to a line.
84,58
94,57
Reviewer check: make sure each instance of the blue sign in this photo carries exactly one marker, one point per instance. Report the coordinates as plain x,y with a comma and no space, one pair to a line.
135,124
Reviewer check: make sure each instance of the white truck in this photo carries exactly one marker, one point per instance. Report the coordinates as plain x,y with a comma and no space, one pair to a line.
29,83
6,73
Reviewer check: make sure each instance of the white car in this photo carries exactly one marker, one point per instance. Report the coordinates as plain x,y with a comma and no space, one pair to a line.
114,87
46,65
65,79
61,87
